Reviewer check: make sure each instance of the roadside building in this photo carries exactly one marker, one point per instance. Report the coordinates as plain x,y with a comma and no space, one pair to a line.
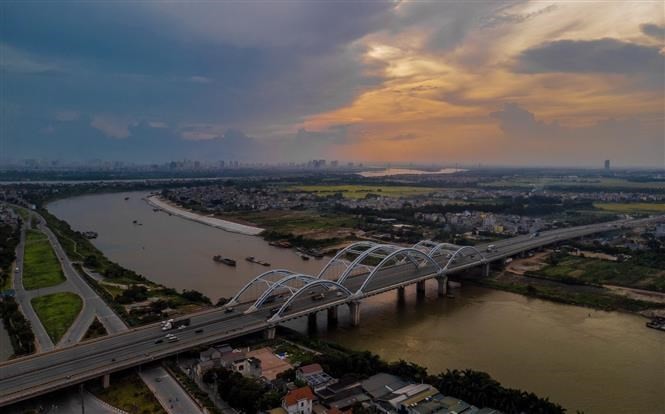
298,401
314,376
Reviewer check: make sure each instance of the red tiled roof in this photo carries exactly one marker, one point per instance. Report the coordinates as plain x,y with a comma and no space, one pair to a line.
293,396
310,369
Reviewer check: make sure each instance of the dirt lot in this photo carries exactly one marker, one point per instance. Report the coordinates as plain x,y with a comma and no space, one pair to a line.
528,264
270,364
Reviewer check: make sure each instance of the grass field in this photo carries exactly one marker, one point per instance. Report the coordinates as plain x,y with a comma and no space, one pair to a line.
57,311
600,182
297,221
632,207
360,191
41,267
606,272
129,393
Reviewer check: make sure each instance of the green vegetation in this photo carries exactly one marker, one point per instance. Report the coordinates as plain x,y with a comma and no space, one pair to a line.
129,393
41,267
95,330
297,221
602,183
630,273
57,312
597,298
9,239
629,208
243,393
19,329
361,191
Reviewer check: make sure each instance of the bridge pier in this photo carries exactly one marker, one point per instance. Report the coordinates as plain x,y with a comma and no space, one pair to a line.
332,315
522,255
401,294
270,333
354,309
442,286
420,287
311,321
486,270
106,381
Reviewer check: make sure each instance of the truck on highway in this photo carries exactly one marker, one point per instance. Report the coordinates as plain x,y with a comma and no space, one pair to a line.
173,324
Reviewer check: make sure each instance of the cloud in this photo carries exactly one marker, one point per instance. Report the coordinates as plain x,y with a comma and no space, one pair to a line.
67,115
199,79
653,30
586,56
403,137
111,126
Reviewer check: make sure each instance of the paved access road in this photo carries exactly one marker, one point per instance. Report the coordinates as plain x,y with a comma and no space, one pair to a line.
38,374
168,391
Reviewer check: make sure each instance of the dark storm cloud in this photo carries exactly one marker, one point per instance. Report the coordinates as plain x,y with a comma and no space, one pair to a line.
653,30
600,56
223,64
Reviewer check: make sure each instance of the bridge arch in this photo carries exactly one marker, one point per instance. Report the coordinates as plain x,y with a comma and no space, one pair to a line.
262,281
443,246
353,248
460,251
376,251
328,285
282,284
406,251
425,246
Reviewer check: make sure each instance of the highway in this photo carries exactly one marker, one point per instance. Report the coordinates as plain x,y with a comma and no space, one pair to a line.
34,375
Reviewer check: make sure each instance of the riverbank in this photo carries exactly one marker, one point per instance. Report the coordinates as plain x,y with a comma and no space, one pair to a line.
226,225
527,277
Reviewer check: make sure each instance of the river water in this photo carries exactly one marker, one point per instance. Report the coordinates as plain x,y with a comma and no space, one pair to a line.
583,359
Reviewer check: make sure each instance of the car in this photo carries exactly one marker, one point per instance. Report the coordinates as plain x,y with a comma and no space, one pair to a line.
182,326
146,354
69,377
159,341
228,310
172,339
112,359
158,379
198,331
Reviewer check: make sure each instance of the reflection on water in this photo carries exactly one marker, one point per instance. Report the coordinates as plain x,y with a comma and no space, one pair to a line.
584,359
407,171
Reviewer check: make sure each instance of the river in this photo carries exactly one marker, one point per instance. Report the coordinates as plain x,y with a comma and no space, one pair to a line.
583,359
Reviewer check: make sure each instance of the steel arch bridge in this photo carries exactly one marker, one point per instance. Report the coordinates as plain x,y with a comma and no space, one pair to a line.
356,271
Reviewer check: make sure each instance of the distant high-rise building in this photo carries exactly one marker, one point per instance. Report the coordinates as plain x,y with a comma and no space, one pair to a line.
607,164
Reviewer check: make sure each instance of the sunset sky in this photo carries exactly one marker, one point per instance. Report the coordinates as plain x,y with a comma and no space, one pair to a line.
504,83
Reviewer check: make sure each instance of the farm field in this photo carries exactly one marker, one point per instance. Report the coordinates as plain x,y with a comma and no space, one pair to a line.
600,182
361,191
632,207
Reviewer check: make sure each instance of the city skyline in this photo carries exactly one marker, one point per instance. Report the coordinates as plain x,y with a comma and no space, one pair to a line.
511,83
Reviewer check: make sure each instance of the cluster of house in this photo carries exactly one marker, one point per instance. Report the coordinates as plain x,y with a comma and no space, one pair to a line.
224,356
8,216
382,392
507,224
218,198
319,393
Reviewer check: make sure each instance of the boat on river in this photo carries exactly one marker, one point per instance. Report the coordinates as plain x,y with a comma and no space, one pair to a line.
227,261
253,259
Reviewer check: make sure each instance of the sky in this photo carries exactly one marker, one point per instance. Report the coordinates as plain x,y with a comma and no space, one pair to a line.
568,83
